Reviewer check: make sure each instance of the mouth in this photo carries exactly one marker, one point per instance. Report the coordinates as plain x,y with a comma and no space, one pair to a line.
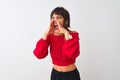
55,26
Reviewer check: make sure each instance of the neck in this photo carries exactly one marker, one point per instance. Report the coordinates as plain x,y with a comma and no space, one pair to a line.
58,34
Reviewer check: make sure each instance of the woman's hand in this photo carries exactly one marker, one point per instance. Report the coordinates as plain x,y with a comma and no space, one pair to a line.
61,28
49,30
51,27
64,31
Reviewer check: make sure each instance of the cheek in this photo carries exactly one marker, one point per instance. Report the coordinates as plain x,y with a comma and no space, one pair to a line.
61,22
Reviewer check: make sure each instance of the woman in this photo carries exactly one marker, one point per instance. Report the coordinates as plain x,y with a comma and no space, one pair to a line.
64,46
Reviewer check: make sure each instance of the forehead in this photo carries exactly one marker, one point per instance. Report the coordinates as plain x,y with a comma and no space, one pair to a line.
56,15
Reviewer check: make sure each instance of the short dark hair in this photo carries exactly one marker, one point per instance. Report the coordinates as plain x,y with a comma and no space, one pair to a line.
64,13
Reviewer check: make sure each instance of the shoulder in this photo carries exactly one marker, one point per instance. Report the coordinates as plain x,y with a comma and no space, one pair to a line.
74,34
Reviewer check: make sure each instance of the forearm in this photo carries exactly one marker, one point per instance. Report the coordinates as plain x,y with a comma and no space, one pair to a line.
67,35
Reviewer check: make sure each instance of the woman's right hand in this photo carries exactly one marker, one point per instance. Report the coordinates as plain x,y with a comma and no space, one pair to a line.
49,30
51,27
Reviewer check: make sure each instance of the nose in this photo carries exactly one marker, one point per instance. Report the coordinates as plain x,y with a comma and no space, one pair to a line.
55,22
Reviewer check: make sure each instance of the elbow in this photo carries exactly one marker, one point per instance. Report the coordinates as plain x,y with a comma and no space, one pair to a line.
39,55
36,54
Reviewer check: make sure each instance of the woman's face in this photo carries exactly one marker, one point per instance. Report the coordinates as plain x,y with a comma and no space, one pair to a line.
57,18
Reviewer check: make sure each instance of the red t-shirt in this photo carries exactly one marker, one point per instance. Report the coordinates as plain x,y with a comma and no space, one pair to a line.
63,52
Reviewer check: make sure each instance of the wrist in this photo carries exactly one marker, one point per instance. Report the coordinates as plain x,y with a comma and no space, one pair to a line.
45,35
67,35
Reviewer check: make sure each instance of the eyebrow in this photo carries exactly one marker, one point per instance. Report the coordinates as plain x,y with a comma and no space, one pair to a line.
58,16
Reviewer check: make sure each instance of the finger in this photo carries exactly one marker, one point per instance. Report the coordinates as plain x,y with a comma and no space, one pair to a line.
51,23
58,23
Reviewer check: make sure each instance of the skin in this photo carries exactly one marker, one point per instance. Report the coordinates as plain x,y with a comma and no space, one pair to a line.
56,20
58,31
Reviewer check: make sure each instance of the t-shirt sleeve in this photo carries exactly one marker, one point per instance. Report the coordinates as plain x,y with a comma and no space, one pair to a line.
41,49
71,47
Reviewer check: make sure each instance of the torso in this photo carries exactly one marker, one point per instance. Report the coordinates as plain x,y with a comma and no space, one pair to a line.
67,68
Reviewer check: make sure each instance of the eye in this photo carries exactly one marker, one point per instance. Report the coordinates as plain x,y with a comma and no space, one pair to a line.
59,17
52,17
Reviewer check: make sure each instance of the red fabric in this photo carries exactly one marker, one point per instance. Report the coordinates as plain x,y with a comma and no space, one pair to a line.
63,52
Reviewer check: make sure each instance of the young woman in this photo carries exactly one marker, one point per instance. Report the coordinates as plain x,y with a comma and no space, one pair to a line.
64,46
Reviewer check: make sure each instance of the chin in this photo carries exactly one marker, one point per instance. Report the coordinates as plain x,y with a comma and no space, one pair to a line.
56,31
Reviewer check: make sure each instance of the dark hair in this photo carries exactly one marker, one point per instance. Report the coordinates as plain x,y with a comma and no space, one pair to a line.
64,13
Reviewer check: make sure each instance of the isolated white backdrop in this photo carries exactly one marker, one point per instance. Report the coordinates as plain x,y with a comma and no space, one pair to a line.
22,23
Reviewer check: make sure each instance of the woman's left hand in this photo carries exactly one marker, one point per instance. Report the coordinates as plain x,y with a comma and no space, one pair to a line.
63,30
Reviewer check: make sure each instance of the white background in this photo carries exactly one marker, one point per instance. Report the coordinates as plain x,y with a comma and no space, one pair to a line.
22,23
